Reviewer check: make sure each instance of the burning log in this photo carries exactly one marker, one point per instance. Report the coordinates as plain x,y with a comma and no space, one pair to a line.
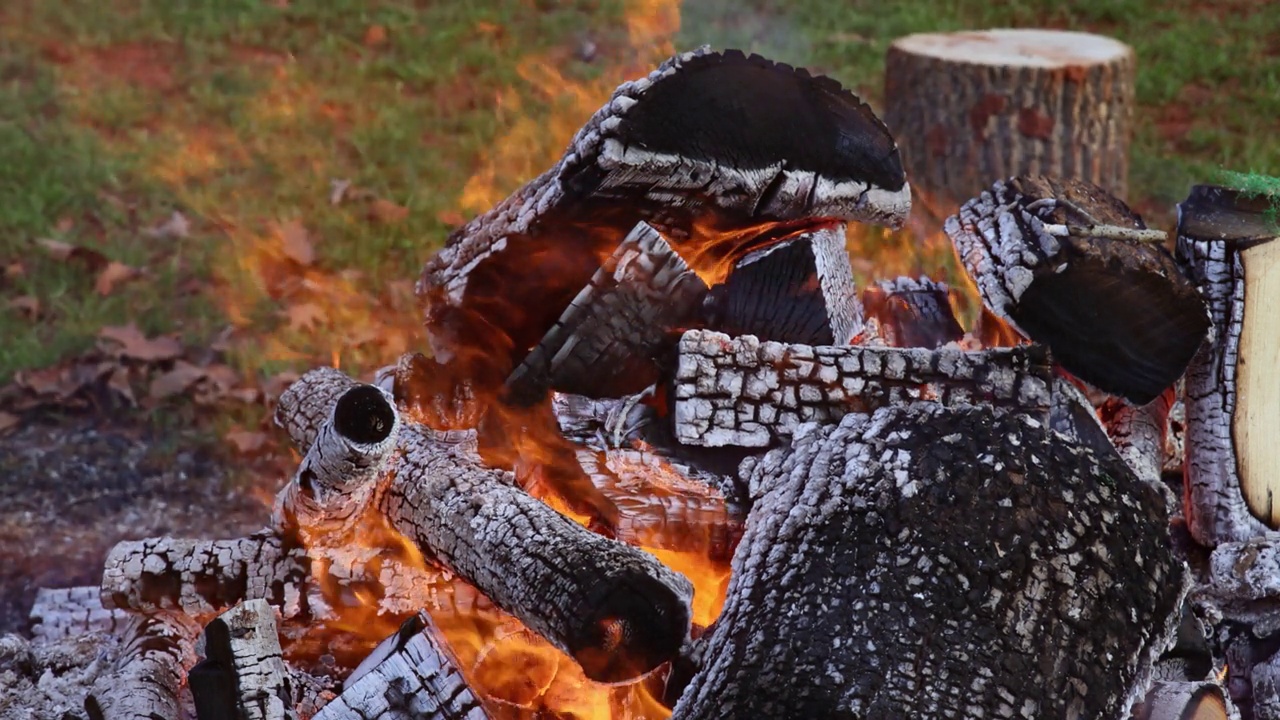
744,392
1000,572
411,675
1227,239
1138,434
1186,701
610,339
243,674
976,106
1070,266
797,291
158,650
910,312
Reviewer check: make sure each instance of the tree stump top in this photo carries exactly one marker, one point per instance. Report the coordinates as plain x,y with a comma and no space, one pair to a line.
1048,49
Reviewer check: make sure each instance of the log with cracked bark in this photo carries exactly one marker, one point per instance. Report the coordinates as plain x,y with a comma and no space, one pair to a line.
740,391
412,675
912,312
1001,572
243,674
158,650
59,613
1230,246
1068,265
1138,434
799,290
1186,701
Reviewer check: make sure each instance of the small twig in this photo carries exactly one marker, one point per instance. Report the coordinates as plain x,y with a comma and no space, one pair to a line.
1107,232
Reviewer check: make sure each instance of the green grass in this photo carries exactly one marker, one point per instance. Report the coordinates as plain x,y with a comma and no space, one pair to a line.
239,113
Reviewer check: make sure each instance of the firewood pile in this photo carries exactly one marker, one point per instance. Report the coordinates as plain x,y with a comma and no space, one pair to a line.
665,458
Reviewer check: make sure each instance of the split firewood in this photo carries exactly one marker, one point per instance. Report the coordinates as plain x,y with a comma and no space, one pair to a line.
799,290
1228,241
1001,572
740,391
73,612
912,312
412,675
971,107
611,338
1067,265
158,650
1186,701
719,182
243,674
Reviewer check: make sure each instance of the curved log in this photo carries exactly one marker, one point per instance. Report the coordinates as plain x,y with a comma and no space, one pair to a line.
931,562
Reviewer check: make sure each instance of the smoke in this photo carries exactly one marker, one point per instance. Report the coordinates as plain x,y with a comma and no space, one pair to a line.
748,25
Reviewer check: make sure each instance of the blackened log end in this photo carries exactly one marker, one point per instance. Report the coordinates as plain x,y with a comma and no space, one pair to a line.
364,415
634,623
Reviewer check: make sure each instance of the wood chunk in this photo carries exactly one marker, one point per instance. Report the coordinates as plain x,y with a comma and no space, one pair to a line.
305,406
1229,246
242,653
1186,701
740,391
974,106
1138,434
610,339
158,650
73,612
1057,260
1064,594
412,675
1266,689
913,312
800,290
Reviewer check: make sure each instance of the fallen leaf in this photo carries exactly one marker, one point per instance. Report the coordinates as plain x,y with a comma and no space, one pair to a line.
245,395
375,36
66,252
180,379
177,226
28,306
296,243
304,316
114,274
452,218
135,345
221,377
119,382
338,191
247,442
387,212
275,385
8,422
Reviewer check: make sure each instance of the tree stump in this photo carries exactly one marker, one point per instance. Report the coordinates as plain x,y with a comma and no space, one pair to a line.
970,108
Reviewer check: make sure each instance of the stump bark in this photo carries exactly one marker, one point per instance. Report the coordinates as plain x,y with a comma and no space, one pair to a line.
969,108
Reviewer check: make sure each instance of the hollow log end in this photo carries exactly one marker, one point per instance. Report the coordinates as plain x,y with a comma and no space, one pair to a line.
635,623
364,414
1213,212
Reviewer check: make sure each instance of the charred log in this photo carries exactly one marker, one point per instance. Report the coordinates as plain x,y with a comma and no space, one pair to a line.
243,674
73,612
798,291
1186,701
1070,266
158,649
1230,247
1064,592
1138,434
913,312
740,391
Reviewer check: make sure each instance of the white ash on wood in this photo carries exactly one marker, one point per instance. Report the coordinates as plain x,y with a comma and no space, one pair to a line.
972,107
243,674
59,613
740,391
924,561
158,649
1228,242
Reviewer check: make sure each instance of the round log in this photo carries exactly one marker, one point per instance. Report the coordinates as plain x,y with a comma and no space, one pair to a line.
969,108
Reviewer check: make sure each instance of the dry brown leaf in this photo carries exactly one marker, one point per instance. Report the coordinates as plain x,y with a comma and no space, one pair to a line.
27,305
387,212
114,274
66,252
8,422
245,395
296,243
275,385
375,36
452,218
304,316
133,344
119,382
247,442
221,377
176,226
14,270
177,381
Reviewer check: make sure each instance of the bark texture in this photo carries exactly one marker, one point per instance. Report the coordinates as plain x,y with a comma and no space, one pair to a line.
912,312
1115,311
933,562
970,108
63,613
740,391
1231,403
158,650
1186,701
243,674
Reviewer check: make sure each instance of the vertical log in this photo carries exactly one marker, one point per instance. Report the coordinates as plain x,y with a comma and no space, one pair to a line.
243,656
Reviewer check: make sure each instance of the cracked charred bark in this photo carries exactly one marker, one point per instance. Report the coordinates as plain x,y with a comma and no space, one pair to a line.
158,650
935,562
243,674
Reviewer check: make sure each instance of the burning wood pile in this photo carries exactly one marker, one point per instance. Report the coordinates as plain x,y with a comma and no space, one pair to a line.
664,459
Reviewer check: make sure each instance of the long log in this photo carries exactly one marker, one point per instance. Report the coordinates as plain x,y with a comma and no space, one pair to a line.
912,312
1228,242
933,562
740,391
1068,265
158,649
243,674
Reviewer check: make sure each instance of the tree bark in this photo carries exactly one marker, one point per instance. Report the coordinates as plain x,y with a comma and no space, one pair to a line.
1230,247
1070,266
158,650
912,312
1186,701
748,393
970,108
932,562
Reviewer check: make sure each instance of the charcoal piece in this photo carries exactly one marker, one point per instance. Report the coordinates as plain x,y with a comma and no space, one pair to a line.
1070,266
932,562
913,312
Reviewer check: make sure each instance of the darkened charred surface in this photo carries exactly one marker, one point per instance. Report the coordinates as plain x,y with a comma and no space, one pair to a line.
940,562
800,290
1117,313
913,312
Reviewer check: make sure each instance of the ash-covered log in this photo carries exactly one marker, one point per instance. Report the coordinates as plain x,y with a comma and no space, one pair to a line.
1228,241
1070,266
610,340
60,613
411,675
243,674
799,290
1186,701
158,649
740,391
912,312
925,561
